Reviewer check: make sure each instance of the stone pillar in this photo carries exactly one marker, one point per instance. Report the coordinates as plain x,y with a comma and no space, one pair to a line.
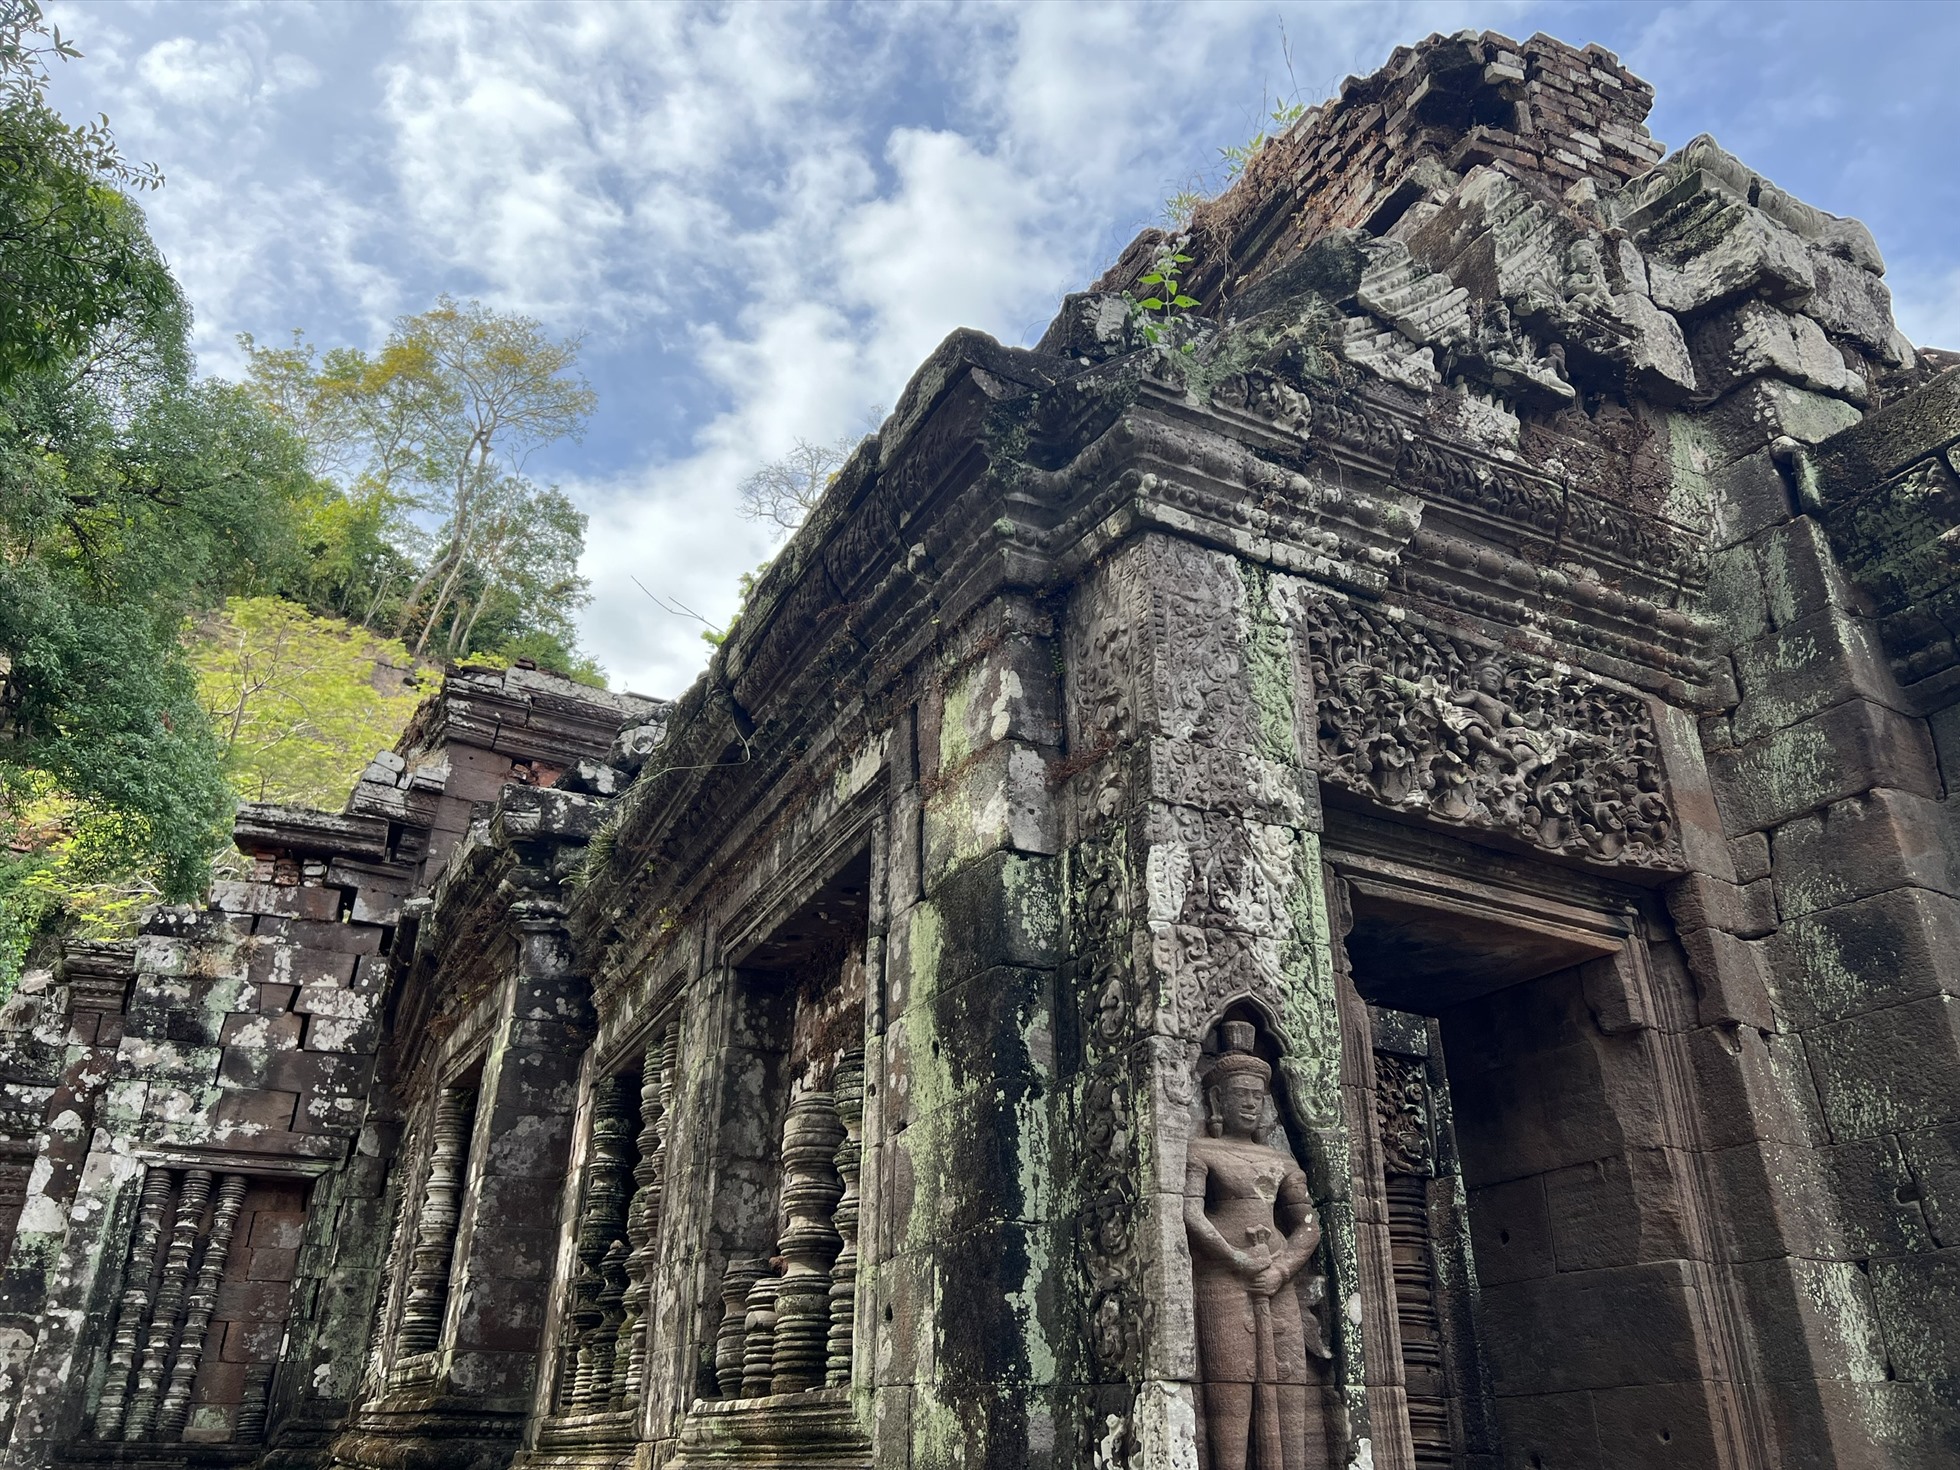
1192,886
523,1143
960,1246
1821,924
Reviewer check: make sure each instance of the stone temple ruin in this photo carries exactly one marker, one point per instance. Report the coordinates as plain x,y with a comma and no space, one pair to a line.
1367,884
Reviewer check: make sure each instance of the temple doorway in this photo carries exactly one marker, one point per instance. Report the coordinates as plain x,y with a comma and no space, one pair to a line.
1518,1179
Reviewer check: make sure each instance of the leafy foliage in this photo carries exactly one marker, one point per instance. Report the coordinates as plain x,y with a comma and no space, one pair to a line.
425,520
65,863
131,494
73,247
298,703
1282,117
1156,311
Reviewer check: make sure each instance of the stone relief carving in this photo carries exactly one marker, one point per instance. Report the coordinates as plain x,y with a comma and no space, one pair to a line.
1402,1115
1117,1011
1253,1229
1423,721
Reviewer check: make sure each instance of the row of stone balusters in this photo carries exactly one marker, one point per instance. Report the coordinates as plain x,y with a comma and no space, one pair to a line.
165,1313
787,1332
603,1360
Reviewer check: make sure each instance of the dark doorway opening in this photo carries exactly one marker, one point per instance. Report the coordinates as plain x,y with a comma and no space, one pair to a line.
1493,1090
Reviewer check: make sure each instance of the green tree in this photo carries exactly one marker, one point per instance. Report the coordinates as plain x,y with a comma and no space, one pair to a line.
73,246
298,703
435,528
131,494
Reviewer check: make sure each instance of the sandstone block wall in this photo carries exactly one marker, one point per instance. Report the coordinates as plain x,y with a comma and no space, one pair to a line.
1482,685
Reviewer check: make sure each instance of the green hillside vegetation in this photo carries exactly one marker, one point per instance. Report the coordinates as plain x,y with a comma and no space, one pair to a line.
210,590
298,702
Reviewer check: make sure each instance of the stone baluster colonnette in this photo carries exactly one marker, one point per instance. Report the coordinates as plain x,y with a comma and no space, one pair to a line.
203,1301
787,1320
435,1227
737,1281
759,1335
643,1218
848,1088
135,1309
192,1196
809,1244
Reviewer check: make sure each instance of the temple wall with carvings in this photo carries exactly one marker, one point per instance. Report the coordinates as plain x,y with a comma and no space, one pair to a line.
1366,883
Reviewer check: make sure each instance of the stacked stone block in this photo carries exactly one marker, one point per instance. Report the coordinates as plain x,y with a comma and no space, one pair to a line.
813,1072
1826,962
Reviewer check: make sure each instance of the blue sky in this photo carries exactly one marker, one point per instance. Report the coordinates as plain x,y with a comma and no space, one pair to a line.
761,216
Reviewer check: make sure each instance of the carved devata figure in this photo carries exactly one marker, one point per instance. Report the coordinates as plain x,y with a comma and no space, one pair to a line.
1253,1228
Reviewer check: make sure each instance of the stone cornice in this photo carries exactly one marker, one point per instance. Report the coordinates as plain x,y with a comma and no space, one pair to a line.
1006,471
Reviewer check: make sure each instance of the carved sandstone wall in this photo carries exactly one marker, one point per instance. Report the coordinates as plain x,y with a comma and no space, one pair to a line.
1404,822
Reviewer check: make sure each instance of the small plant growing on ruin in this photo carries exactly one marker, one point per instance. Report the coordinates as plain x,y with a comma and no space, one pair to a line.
1283,116
1155,311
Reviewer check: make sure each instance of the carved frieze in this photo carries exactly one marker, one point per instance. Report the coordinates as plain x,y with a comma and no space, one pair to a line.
1423,722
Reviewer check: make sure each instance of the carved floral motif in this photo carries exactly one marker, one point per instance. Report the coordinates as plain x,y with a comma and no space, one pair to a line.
1422,721
1402,1115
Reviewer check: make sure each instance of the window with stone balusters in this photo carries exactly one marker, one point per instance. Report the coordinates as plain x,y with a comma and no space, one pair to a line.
206,1291
422,1248
789,1282
606,1330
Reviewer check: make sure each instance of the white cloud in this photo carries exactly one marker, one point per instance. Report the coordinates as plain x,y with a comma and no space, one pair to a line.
188,73
762,216
1926,303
